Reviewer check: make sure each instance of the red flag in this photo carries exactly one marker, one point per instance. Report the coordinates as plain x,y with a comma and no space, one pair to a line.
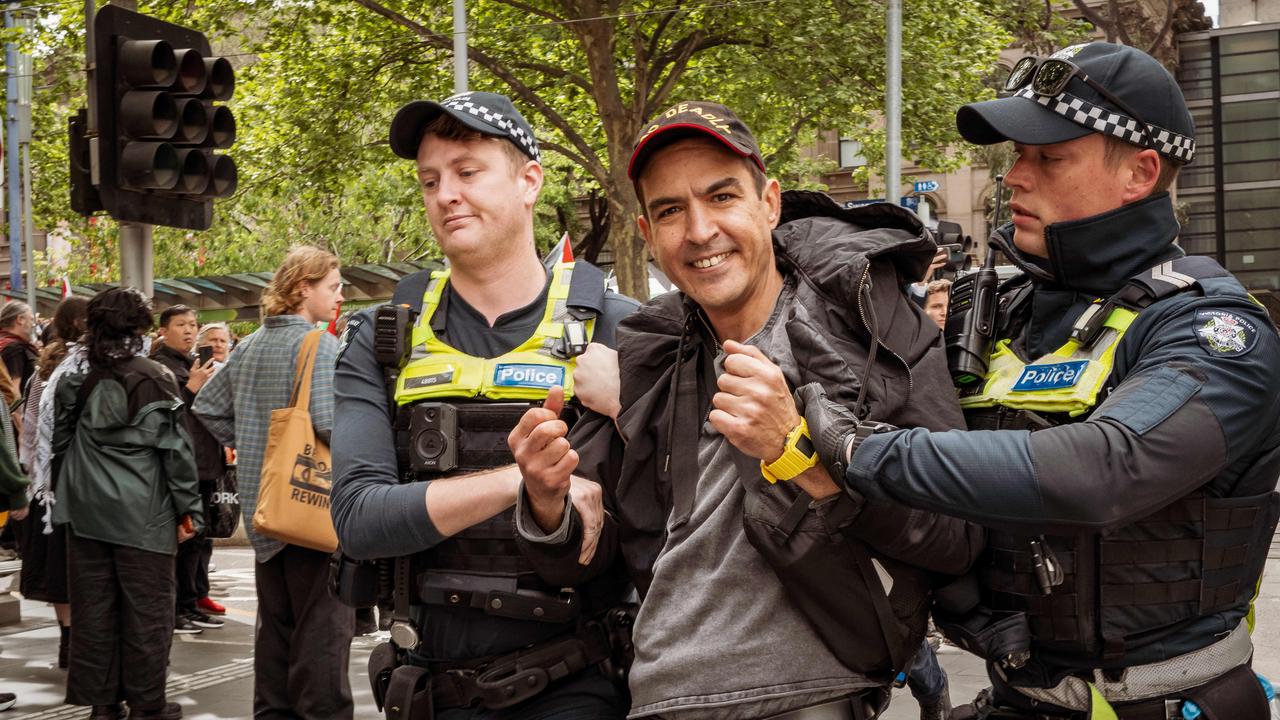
567,255
66,287
333,324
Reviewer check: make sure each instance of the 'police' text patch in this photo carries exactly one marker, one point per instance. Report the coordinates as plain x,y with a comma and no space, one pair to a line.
1050,377
531,376
1225,333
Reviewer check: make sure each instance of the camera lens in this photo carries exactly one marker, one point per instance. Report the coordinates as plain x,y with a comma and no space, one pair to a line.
430,444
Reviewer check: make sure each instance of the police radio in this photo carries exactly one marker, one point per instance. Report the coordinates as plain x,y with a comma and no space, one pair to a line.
971,314
392,334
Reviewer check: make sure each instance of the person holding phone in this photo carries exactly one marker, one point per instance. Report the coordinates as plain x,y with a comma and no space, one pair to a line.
178,325
213,345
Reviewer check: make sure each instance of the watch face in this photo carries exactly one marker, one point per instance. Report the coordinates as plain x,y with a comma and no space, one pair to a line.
404,635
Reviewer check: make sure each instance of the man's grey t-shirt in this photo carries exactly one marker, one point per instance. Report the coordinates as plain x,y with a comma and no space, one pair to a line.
716,636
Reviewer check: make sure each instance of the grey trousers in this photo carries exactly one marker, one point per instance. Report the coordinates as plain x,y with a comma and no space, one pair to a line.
302,647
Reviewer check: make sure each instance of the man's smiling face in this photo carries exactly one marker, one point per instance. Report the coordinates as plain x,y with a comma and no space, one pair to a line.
708,223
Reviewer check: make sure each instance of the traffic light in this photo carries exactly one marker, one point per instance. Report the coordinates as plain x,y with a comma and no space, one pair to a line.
156,87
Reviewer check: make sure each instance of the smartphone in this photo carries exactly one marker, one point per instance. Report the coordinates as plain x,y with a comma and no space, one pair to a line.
205,354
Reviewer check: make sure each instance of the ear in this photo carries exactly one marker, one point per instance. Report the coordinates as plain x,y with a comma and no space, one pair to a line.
1144,170
642,223
531,174
773,199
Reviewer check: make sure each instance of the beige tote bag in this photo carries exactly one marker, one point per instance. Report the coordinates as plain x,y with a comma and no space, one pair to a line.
293,496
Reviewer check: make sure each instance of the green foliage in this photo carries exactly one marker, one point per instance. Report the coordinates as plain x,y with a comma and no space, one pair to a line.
319,80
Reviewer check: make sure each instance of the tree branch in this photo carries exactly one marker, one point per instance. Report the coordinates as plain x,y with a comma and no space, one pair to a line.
1089,14
523,7
557,147
586,154
1114,8
792,137
553,71
678,59
1168,23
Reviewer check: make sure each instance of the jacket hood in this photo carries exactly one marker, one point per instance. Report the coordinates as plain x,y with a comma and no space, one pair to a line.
1096,255
816,232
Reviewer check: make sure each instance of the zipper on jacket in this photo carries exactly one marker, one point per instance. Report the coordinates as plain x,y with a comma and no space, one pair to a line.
864,283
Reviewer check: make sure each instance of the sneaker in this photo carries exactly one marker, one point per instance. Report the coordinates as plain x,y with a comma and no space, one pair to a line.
182,625
8,700
210,606
170,711
199,619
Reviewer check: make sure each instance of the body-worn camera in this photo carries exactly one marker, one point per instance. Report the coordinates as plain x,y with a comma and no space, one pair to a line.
444,436
433,428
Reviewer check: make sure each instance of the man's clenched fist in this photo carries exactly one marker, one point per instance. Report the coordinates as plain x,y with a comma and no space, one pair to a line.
546,461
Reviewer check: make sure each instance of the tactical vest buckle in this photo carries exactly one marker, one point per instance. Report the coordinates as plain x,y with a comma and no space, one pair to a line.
573,342
1089,325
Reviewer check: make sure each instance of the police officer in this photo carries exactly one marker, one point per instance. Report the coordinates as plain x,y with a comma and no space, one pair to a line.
1124,443
427,389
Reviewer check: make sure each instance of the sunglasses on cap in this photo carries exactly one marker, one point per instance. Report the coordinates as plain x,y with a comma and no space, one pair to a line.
1049,77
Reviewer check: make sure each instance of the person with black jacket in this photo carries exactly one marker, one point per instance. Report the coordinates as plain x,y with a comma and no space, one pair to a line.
178,326
1125,439
759,596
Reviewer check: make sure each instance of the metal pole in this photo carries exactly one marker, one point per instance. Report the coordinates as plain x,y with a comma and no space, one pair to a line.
28,226
13,169
459,46
893,105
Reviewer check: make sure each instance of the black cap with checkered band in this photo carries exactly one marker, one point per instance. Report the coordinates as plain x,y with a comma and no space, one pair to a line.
486,113
1095,87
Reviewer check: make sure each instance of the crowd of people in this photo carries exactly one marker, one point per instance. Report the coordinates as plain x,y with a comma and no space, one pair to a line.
112,481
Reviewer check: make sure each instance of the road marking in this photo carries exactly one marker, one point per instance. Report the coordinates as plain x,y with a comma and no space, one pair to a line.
178,684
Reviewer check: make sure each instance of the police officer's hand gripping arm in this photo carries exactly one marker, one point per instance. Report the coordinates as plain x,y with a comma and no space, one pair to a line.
1179,417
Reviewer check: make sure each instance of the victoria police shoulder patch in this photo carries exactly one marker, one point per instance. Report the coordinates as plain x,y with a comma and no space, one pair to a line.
353,326
1224,333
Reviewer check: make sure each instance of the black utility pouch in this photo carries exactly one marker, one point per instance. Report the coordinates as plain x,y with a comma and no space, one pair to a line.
355,582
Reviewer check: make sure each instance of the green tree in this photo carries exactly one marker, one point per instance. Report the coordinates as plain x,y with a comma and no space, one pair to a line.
318,81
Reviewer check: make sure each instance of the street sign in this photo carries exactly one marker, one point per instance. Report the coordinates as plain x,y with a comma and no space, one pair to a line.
926,186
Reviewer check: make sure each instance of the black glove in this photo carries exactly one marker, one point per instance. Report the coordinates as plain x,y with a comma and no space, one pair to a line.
836,432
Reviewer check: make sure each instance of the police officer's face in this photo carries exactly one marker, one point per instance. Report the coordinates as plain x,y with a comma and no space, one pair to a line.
708,227
478,200
1065,181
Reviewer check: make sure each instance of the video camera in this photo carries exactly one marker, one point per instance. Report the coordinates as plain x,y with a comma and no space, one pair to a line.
951,237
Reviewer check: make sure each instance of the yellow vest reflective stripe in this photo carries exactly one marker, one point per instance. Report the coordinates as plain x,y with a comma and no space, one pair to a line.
1099,708
1066,380
436,370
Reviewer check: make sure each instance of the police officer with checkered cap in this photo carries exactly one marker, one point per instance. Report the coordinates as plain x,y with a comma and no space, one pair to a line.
1124,441
427,389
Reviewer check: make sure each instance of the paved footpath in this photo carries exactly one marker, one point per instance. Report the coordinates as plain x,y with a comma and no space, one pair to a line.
211,674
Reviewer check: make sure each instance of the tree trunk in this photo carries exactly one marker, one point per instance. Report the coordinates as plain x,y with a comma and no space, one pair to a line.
630,259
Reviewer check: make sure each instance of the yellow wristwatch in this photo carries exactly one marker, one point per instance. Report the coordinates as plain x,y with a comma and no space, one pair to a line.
798,455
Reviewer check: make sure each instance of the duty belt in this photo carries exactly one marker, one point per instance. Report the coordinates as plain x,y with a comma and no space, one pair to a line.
1156,680
511,679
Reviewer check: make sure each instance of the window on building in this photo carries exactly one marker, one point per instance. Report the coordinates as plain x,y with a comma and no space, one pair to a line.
851,154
